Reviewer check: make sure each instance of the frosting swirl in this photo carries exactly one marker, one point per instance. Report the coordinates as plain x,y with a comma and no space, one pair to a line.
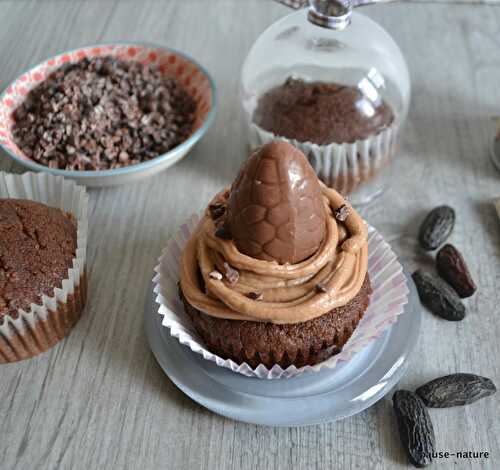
266,291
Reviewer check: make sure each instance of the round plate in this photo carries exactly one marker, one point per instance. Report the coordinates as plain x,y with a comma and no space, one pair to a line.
311,398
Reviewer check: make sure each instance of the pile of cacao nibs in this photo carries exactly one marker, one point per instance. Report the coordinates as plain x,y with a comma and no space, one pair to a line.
103,113
442,293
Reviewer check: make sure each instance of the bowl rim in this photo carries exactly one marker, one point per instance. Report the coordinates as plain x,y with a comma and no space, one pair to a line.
172,153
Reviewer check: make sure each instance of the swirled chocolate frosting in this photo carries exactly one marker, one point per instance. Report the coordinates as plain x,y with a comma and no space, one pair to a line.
231,268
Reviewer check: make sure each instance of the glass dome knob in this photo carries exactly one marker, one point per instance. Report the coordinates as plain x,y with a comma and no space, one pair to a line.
336,14
333,14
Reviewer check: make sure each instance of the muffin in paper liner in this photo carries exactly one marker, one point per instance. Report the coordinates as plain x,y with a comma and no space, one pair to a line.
345,167
40,328
390,294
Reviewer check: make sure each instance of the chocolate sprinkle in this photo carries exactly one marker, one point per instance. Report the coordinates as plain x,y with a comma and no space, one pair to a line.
231,274
255,296
216,210
215,275
223,232
320,287
342,212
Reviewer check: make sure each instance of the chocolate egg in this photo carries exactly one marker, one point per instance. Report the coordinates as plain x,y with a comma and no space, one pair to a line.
276,210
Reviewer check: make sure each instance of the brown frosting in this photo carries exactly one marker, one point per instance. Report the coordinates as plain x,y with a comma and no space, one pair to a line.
275,210
321,113
238,286
37,246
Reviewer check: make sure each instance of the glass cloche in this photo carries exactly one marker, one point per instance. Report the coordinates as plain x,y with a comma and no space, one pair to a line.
335,84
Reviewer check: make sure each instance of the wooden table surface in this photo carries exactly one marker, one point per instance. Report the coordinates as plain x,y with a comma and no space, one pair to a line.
100,401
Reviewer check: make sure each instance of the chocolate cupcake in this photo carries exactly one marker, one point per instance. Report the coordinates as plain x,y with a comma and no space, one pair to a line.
276,272
347,136
42,279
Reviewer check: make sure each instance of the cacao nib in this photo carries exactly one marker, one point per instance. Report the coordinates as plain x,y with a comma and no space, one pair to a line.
255,296
215,275
436,227
452,268
216,210
320,287
415,427
223,232
231,274
455,390
342,212
438,296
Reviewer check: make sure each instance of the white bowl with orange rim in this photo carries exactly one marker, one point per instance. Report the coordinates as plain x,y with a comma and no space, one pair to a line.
192,76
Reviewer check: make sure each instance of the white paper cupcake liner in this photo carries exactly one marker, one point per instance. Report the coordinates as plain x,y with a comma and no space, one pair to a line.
390,294
38,329
344,167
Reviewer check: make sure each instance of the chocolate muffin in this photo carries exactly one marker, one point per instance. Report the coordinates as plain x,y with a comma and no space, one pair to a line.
300,344
347,135
276,272
321,113
37,247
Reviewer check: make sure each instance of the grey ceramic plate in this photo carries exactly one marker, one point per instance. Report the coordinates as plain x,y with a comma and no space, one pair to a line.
308,399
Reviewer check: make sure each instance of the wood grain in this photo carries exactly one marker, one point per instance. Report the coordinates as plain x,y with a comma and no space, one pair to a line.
99,400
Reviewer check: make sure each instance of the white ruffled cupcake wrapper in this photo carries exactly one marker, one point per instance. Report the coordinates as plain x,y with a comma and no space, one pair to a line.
390,294
20,337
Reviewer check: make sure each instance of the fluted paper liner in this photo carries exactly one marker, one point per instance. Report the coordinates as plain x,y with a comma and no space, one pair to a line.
390,294
344,167
40,328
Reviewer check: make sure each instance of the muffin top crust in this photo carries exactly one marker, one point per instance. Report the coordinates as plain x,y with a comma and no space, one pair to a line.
37,245
321,113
